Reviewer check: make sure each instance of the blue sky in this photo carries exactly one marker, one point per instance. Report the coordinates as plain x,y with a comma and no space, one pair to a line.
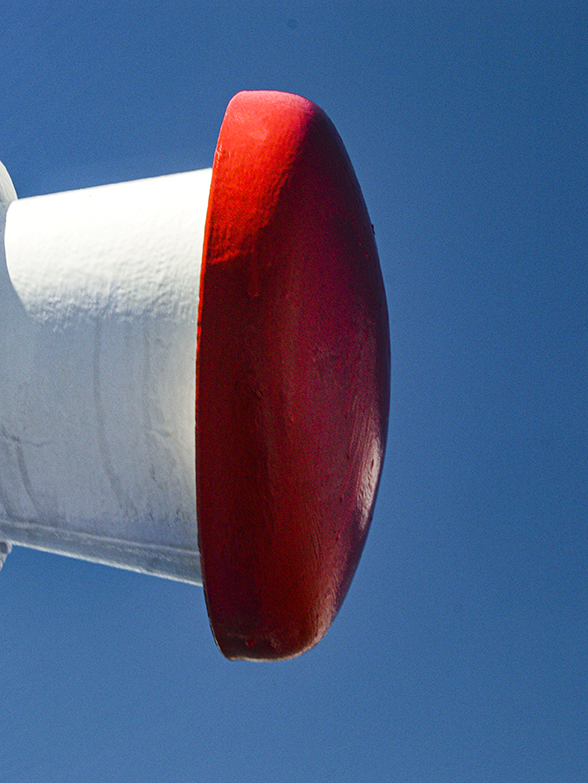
459,655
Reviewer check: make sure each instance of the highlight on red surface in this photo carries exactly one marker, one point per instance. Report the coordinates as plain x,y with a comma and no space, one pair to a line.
292,381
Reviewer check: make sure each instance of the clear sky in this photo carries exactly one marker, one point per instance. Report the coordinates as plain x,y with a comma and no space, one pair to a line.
461,652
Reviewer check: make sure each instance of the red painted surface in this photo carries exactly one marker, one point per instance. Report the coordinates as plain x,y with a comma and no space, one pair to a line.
292,378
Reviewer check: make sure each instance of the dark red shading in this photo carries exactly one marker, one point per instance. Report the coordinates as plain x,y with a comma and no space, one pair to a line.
293,378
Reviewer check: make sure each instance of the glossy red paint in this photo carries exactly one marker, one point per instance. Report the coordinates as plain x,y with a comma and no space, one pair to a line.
293,378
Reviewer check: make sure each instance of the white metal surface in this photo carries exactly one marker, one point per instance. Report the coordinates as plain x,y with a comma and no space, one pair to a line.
98,312
7,191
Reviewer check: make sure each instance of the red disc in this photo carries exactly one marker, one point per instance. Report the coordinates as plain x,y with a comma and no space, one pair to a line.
292,381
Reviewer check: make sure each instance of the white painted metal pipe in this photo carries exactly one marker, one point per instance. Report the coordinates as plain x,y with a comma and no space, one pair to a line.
135,390
98,315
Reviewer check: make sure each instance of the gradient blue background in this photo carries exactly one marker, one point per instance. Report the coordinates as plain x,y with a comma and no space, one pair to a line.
460,654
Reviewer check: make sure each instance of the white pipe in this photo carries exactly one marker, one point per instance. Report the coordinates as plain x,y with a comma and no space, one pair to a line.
98,314
7,191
